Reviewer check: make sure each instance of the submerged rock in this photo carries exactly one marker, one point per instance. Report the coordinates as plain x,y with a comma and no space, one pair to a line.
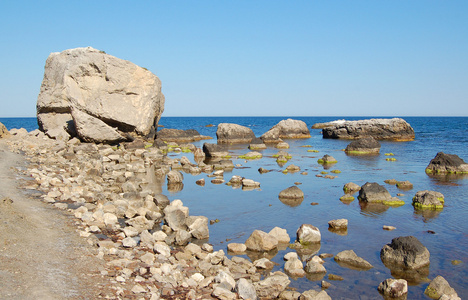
439,287
349,258
395,129
447,163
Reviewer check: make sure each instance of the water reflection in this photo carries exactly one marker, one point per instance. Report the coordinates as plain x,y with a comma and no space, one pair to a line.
427,215
373,210
291,202
175,187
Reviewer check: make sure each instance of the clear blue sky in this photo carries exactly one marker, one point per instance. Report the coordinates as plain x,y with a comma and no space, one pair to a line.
265,58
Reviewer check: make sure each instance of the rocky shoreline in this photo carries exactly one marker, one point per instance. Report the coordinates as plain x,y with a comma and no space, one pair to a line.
154,249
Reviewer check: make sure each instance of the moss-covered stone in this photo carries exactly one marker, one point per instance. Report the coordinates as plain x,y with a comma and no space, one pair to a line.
311,150
394,202
346,198
390,159
389,154
336,171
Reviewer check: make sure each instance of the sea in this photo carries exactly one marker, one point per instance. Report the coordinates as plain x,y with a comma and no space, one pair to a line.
240,212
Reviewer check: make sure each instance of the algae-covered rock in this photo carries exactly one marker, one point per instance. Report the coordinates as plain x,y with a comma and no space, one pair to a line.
447,163
428,200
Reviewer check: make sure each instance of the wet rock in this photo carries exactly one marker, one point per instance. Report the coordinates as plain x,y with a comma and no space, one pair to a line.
294,267
263,170
257,144
308,234
405,252
363,146
428,200
282,145
351,187
404,185
327,159
339,224
249,183
272,286
286,129
261,241
200,182
175,177
251,155
388,227
373,192
289,295
447,163
438,287
292,192
314,267
349,258
264,263
292,168
228,133
395,129
393,288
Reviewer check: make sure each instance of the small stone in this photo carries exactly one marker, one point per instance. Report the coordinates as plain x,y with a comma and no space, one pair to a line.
388,227
393,288
236,248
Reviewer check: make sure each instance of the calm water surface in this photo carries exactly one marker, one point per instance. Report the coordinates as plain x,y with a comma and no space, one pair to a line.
241,212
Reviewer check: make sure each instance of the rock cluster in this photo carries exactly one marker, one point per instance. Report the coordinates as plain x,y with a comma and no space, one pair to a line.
111,96
395,129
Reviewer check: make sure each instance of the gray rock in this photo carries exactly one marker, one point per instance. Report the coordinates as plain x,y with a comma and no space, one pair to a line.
393,288
113,90
228,133
180,136
351,187
327,159
286,129
405,252
93,130
338,224
447,163
292,192
375,193
214,150
308,234
380,129
223,294
313,267
257,144
349,258
367,145
261,241
281,235
198,227
245,289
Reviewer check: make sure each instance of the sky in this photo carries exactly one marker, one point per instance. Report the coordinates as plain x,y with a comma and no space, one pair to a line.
255,58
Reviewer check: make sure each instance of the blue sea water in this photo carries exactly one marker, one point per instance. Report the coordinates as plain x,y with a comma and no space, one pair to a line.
241,212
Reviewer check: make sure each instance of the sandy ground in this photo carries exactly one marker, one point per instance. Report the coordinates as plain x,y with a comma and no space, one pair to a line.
41,253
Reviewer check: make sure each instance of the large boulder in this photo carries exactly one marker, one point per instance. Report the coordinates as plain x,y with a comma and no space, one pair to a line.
119,93
367,145
395,129
180,136
286,129
215,151
447,163
405,252
3,131
229,133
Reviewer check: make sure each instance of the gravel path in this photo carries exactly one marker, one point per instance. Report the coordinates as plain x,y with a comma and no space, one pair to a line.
41,253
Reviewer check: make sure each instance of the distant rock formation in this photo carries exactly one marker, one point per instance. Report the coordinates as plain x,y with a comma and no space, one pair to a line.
229,133
108,94
395,129
286,129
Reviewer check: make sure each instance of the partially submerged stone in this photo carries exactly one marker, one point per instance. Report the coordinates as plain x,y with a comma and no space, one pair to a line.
447,163
257,144
349,258
286,129
393,288
428,200
373,192
261,241
351,187
228,133
308,234
395,129
363,146
251,155
215,151
439,287
404,185
405,252
327,159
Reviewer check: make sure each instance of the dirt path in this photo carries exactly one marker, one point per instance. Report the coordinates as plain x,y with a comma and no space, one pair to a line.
41,254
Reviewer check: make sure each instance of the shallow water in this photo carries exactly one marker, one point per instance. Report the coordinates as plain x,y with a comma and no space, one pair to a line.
241,212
